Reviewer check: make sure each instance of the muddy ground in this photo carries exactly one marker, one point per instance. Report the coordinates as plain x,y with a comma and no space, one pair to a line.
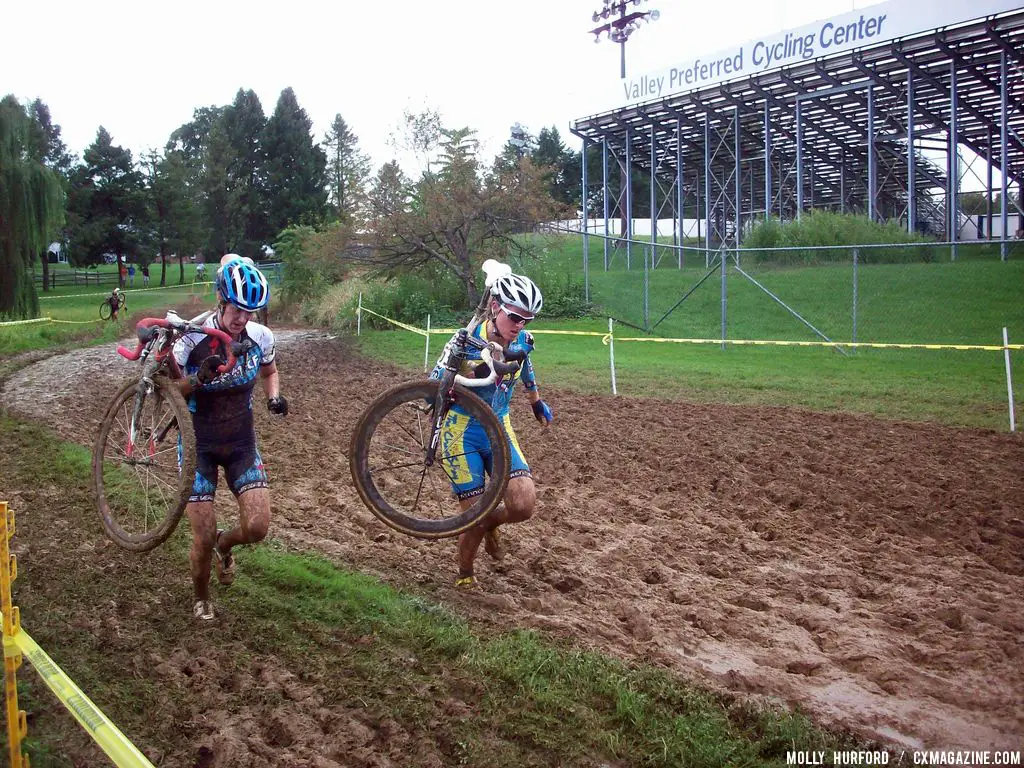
870,572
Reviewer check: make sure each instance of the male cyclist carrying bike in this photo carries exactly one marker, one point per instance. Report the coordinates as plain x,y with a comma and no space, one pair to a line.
114,300
515,301
222,417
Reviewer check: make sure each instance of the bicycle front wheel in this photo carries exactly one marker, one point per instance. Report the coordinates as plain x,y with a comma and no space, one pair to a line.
143,464
388,459
105,310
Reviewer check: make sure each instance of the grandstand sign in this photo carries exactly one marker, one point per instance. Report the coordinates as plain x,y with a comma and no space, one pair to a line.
843,32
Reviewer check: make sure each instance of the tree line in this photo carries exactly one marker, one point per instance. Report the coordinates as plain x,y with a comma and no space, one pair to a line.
234,179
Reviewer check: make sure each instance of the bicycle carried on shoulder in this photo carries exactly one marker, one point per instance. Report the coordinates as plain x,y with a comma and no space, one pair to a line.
106,308
144,458
408,446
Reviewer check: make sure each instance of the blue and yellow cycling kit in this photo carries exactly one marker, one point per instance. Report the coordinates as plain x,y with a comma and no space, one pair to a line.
465,450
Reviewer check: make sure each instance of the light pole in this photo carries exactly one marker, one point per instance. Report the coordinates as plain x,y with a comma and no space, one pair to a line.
619,29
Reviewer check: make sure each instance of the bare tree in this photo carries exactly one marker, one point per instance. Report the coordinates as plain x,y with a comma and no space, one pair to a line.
456,215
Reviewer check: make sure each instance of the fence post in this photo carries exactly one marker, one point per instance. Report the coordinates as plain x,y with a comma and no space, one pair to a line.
611,354
856,255
647,288
17,725
724,294
426,351
1009,379
359,314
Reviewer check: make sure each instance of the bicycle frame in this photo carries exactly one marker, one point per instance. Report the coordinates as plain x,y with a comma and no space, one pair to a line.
451,357
156,343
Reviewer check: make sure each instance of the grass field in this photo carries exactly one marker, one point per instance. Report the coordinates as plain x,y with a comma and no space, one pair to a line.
74,310
966,302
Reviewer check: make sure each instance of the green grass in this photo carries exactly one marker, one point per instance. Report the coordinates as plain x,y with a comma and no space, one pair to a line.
965,388
967,301
75,311
355,641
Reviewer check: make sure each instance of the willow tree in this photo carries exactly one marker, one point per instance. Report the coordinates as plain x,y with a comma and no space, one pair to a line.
31,209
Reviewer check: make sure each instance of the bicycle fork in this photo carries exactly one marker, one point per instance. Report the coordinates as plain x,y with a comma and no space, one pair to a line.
443,401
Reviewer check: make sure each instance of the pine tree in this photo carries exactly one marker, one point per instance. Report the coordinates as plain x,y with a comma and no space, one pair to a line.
30,208
295,166
348,170
247,227
173,216
107,199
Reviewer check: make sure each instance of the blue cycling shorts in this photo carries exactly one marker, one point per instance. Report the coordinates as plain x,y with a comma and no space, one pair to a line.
243,469
465,454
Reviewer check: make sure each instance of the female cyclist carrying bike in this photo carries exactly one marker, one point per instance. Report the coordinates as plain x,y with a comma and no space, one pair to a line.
221,405
514,301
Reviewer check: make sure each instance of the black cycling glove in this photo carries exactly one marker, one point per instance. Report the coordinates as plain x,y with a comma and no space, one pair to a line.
278,405
208,369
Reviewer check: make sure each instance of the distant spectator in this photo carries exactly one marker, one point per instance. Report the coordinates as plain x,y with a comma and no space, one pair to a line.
122,273
131,275
145,275
200,272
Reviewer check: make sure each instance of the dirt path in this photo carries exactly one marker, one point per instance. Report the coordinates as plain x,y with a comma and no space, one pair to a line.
869,572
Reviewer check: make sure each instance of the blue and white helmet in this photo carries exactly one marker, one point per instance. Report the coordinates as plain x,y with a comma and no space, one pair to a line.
241,283
519,291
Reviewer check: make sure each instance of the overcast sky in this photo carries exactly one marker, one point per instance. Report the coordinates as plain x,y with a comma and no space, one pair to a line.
140,68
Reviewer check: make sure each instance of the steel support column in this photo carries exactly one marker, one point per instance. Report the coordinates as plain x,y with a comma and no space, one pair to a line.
872,161
654,200
911,170
628,223
799,162
768,162
953,167
737,165
604,193
680,195
707,189
1003,85
586,225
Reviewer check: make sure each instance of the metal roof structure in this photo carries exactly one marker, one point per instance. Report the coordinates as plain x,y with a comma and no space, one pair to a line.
833,132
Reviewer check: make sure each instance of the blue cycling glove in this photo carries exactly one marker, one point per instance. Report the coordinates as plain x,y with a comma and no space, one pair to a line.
519,350
542,411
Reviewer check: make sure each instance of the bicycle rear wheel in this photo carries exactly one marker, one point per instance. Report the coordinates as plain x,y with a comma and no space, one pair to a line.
105,310
143,464
387,457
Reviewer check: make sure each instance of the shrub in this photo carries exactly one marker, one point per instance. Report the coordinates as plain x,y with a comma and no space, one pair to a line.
825,228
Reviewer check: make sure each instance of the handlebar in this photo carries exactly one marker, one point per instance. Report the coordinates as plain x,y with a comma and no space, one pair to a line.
146,328
497,367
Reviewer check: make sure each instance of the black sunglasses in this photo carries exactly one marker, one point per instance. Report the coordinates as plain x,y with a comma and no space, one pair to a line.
514,317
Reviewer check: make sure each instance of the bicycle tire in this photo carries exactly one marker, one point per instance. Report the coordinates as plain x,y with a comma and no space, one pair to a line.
122,301
105,310
156,507
386,488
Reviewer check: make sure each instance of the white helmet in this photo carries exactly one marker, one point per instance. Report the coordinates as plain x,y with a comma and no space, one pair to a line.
519,291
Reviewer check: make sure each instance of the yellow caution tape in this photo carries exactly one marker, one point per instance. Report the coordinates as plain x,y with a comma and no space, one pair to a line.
119,749
853,344
26,322
52,320
535,332
606,339
395,322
